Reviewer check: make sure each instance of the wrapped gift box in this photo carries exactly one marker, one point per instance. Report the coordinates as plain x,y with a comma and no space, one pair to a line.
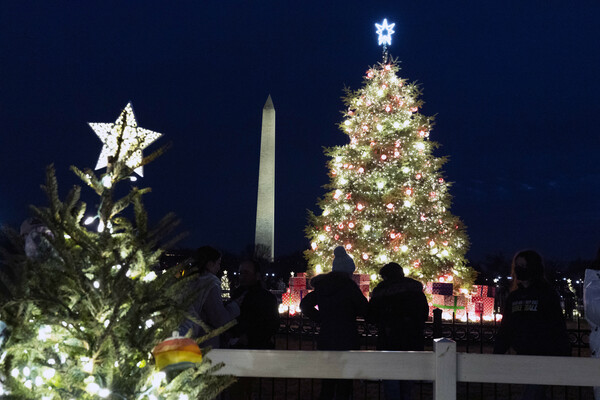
445,289
456,305
483,291
483,306
298,282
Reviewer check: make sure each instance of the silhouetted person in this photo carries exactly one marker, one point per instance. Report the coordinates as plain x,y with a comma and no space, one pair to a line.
399,308
532,320
258,321
207,306
339,302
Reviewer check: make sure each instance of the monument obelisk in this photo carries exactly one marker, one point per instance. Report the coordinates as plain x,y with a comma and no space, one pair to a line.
265,207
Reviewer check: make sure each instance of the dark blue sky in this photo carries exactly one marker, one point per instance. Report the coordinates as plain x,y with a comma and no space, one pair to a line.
514,87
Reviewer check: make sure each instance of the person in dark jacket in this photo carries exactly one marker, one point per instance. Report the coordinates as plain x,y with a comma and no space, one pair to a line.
399,309
335,303
532,319
258,321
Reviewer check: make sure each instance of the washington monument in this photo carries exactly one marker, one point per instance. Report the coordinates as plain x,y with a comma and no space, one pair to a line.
265,207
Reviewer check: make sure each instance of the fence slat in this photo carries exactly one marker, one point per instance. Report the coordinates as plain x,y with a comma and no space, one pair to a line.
414,365
444,387
542,370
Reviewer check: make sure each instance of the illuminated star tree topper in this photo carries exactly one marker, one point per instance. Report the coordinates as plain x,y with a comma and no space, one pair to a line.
123,140
385,32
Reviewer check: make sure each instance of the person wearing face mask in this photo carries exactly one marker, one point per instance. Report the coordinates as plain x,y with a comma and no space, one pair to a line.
207,306
532,319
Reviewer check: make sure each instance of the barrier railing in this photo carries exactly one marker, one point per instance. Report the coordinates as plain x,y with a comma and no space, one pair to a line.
444,366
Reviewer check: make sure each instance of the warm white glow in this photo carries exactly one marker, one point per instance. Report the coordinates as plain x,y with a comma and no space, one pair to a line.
133,140
373,277
318,269
103,393
385,32
49,373
106,181
89,220
92,388
404,248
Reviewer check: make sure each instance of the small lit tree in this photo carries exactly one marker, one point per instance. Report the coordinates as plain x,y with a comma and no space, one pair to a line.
87,307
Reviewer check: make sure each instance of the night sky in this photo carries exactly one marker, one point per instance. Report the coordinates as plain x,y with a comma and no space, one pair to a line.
514,88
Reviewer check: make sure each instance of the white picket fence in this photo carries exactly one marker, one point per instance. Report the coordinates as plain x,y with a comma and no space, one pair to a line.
444,366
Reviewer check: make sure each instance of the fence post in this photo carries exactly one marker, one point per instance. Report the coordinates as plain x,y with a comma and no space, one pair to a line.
444,387
437,323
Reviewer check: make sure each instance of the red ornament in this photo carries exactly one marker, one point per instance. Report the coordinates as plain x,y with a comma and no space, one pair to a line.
431,243
348,246
333,172
350,225
383,157
388,108
390,206
423,217
445,243
361,170
341,225
369,74
441,180
350,112
348,196
408,191
414,109
327,228
336,237
360,206
392,235
372,143
418,176
417,263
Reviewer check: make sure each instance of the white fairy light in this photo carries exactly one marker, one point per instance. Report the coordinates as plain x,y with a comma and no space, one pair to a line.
104,393
125,133
149,277
385,32
107,181
49,373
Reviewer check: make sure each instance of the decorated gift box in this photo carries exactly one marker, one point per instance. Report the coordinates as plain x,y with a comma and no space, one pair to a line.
483,291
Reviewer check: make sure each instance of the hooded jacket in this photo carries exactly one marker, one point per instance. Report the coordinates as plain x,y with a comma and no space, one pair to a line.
339,302
399,309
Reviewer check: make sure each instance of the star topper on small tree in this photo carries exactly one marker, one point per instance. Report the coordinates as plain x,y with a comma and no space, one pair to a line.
385,32
123,140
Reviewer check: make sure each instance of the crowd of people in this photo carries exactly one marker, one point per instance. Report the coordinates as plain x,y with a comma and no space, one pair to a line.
532,324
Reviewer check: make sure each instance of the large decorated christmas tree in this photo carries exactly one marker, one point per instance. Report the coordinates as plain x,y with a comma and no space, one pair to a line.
86,306
388,199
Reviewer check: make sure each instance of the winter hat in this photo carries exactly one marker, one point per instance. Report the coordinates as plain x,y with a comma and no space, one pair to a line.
342,262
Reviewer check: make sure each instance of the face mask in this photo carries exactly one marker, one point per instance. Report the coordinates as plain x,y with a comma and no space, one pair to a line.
522,273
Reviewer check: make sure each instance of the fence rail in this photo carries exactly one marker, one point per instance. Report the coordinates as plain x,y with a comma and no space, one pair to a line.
444,366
